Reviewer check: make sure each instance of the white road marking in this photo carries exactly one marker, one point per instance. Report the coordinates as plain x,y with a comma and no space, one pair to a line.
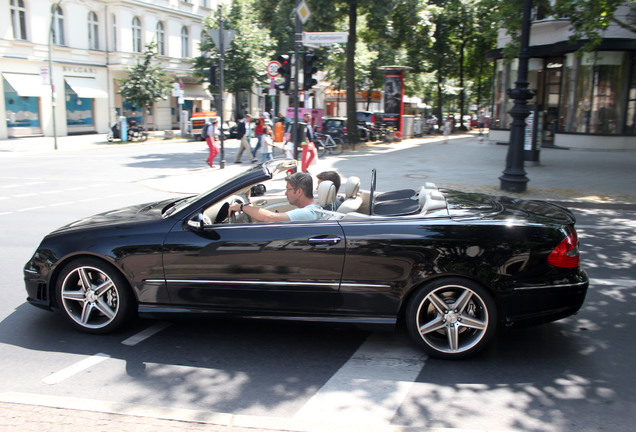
78,367
30,208
145,334
371,386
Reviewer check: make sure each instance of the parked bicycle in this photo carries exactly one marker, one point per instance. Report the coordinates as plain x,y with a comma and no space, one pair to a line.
326,143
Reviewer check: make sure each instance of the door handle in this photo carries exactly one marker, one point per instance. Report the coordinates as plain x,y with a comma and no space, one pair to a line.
324,240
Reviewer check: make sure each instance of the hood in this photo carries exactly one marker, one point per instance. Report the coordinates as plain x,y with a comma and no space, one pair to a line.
123,216
477,205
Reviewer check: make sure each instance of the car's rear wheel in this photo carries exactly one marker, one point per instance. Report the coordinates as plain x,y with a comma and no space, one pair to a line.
451,318
94,296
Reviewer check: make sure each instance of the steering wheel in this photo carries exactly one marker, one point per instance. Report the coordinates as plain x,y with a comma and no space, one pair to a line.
371,191
234,217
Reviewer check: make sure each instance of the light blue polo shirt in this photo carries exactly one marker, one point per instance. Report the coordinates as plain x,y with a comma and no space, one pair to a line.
308,213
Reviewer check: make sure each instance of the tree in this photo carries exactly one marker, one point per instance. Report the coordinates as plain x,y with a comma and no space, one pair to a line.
146,83
247,55
588,19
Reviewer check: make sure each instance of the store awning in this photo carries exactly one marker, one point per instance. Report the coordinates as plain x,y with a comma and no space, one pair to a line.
195,92
86,88
26,85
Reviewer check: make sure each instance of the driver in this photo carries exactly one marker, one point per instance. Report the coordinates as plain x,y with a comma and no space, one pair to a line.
299,192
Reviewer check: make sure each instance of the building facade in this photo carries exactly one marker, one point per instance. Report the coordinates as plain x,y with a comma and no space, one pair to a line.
60,61
583,101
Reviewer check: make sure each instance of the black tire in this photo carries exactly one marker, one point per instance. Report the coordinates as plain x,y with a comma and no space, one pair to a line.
94,297
339,146
451,318
143,136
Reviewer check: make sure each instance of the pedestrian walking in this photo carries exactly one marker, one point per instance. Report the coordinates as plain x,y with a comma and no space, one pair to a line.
480,122
244,134
266,149
448,122
210,133
309,149
259,128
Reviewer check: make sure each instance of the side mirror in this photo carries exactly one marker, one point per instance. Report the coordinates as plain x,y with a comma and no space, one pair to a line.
199,221
258,190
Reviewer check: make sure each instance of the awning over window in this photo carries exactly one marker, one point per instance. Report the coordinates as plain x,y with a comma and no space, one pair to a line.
195,92
26,85
86,88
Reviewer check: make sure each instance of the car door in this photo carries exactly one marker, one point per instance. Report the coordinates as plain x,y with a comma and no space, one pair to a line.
289,267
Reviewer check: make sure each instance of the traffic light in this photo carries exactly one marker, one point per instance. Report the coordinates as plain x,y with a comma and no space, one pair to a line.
210,75
285,71
309,70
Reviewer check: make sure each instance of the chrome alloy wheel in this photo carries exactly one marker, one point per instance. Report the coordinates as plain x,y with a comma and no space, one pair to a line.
452,320
94,296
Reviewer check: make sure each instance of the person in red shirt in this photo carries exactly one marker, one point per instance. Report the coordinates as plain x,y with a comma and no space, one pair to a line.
259,131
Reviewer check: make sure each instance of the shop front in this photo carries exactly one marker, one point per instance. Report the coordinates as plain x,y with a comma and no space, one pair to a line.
22,103
582,101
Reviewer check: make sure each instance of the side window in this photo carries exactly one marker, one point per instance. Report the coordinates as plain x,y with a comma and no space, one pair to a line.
93,31
114,47
58,25
161,39
185,42
18,19
136,35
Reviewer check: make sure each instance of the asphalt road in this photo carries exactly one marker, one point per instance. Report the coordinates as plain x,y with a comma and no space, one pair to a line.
572,375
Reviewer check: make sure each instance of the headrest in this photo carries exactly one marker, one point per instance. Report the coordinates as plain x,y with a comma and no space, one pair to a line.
434,200
326,193
352,187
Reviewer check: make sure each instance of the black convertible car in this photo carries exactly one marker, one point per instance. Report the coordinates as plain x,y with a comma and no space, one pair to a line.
452,265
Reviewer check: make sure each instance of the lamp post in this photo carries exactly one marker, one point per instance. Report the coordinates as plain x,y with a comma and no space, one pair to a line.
53,102
514,176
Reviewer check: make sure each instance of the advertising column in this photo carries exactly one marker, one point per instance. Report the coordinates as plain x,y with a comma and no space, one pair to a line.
393,95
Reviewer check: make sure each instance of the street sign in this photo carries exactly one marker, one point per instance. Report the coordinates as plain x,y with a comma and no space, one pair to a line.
324,38
303,12
45,75
272,68
228,35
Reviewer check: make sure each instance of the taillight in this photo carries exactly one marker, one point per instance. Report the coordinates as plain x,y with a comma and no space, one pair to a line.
566,254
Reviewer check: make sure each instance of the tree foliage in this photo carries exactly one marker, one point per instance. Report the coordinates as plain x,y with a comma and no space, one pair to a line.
444,42
147,81
247,55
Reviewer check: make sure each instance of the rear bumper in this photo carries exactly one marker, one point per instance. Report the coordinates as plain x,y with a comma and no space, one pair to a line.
541,304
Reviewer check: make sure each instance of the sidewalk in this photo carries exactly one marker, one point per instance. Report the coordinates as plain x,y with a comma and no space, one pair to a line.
466,163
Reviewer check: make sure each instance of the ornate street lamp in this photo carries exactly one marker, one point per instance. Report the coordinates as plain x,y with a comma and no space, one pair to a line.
514,176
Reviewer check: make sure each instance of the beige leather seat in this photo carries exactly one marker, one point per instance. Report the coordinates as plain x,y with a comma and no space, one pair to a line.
352,200
434,200
326,193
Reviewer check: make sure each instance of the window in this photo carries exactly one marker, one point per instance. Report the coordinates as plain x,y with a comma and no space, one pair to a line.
114,48
161,39
136,34
185,42
18,19
93,31
57,29
202,42
597,93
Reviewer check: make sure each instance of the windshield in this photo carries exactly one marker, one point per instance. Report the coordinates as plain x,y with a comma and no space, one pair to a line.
268,169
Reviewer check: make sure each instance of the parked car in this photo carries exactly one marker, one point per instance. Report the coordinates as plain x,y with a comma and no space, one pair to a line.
452,266
337,126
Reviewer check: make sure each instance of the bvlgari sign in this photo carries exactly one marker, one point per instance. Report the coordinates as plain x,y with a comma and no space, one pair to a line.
83,71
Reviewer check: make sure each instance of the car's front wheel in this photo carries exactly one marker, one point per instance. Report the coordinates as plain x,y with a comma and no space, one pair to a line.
451,318
94,296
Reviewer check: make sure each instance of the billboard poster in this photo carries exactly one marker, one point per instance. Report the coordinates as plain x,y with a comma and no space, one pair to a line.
393,95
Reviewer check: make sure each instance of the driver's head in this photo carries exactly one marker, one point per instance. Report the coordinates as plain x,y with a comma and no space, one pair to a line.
300,181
